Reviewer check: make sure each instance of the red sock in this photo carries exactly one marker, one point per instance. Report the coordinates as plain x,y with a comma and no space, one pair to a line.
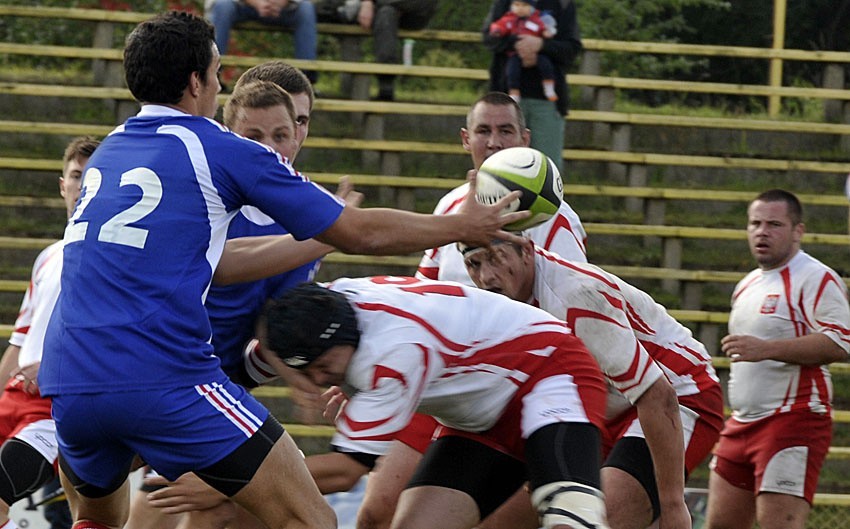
88,524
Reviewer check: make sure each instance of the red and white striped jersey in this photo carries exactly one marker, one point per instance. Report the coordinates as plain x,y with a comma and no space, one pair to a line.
38,303
443,349
632,337
562,234
802,297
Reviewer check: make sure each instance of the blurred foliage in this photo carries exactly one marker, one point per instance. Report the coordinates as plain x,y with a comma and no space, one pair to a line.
811,25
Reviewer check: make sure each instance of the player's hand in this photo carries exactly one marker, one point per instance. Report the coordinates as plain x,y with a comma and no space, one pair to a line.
335,400
345,190
527,47
487,220
366,14
744,348
187,493
306,396
27,376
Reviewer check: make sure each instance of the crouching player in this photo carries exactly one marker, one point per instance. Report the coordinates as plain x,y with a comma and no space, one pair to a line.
519,396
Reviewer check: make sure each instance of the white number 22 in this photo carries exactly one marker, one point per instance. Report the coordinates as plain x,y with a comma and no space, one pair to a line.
116,229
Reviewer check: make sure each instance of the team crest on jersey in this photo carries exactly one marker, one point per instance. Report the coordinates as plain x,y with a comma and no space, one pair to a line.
770,303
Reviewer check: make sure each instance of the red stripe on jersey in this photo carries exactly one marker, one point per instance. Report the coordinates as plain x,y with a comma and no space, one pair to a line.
429,272
799,327
744,287
386,372
508,354
395,311
561,223
829,279
567,264
359,426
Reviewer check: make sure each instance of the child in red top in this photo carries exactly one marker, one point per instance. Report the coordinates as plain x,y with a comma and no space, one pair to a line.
524,19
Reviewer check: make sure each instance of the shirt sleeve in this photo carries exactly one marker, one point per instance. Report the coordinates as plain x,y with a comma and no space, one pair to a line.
598,317
826,301
387,396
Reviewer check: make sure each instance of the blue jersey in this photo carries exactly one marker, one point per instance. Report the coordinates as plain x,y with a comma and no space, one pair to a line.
142,244
233,309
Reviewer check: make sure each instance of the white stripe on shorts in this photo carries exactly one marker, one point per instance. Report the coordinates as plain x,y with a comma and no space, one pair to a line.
231,408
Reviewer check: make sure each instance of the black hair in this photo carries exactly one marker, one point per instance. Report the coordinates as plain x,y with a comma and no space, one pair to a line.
306,321
161,53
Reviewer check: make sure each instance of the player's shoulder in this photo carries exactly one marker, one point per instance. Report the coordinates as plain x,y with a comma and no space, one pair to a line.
451,201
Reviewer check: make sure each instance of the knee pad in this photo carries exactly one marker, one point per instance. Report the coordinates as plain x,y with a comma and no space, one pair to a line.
569,503
23,470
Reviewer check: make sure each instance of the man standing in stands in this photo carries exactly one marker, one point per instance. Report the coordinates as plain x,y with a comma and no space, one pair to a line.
384,18
789,320
544,117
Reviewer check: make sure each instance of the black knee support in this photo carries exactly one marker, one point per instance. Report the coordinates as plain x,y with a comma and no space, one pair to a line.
564,451
490,477
23,470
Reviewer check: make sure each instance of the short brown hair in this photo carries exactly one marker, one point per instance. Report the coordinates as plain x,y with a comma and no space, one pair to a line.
795,209
282,74
80,147
257,94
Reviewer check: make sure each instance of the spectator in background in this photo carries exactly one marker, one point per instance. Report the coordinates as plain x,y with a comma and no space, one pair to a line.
384,18
297,15
525,19
789,319
544,117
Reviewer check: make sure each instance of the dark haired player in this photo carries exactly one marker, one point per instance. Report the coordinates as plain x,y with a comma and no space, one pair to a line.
127,356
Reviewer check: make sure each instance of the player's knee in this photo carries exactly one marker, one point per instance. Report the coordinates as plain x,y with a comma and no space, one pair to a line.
23,470
569,503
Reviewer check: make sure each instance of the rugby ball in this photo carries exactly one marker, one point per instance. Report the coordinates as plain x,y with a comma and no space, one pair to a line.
521,169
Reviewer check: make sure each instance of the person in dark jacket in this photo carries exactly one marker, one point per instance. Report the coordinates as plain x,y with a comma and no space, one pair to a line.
544,117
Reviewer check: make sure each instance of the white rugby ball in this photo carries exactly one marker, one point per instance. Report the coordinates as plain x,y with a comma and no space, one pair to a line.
523,169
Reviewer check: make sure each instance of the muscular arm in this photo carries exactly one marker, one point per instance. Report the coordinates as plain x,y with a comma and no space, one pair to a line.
658,412
812,349
253,258
384,231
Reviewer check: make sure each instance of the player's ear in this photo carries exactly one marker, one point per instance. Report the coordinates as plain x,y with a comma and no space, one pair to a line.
464,139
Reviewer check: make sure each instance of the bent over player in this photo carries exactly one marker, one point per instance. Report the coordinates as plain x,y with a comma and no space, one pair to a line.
519,396
667,410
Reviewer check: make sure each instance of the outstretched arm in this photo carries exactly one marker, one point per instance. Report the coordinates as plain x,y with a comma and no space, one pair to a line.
384,231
